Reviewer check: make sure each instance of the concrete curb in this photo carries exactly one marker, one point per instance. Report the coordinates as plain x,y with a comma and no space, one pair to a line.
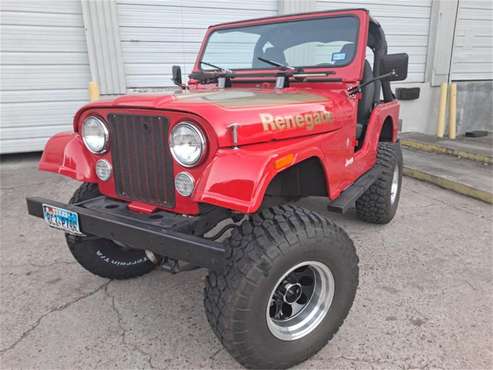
440,149
449,184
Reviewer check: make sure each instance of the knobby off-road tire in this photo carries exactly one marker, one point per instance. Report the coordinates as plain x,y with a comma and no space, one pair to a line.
103,257
379,203
262,251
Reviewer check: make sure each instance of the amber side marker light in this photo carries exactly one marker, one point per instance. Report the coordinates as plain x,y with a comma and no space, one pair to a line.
284,161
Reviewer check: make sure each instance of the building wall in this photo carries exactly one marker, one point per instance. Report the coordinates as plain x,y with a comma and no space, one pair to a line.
47,57
156,35
44,70
406,25
472,56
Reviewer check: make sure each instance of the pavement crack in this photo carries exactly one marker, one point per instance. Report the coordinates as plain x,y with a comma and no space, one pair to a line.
123,335
213,356
33,327
40,265
369,361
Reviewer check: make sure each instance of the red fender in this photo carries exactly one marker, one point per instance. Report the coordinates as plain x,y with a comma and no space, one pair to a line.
66,155
237,179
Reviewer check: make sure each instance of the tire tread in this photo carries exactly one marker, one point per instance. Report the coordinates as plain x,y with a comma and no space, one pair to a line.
373,206
267,235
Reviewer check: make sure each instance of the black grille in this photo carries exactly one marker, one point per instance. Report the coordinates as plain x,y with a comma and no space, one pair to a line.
142,162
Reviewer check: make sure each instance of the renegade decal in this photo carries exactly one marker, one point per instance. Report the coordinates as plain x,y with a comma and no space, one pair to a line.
307,120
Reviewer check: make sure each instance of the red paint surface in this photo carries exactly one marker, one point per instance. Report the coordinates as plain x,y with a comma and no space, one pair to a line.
238,178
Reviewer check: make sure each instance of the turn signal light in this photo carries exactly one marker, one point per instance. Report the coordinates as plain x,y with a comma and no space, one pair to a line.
284,161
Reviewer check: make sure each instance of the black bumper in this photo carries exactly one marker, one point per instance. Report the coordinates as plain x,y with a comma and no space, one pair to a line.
109,219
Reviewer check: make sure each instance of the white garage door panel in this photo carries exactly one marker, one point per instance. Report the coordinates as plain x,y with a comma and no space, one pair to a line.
172,33
47,19
415,27
406,26
42,39
138,57
28,133
16,58
41,6
22,145
44,77
37,115
380,9
481,44
190,17
150,81
472,56
44,71
473,67
33,96
402,40
476,14
218,4
152,69
159,47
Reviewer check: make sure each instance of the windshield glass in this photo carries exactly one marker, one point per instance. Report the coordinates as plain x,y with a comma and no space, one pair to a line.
327,42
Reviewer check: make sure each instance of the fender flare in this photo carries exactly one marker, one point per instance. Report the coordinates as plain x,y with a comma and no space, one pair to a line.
66,155
378,117
238,179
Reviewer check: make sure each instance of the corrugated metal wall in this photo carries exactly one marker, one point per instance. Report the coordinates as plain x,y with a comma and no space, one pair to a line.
472,56
406,25
156,34
45,67
44,71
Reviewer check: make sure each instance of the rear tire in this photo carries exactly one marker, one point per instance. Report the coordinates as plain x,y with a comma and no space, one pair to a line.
104,257
266,257
379,203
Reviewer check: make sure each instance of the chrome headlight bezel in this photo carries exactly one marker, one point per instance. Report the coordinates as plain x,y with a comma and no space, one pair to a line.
105,135
201,139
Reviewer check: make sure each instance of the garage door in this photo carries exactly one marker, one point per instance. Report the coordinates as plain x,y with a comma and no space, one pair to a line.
472,58
156,34
44,71
406,26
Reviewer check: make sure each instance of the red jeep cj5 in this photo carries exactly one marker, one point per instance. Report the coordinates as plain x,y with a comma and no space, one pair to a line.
276,109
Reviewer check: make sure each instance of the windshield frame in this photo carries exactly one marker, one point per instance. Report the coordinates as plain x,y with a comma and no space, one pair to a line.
352,70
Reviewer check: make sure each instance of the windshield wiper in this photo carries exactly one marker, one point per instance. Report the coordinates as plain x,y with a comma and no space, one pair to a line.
294,70
225,70
276,64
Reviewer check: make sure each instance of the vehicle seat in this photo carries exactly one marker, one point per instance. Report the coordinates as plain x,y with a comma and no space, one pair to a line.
365,105
272,53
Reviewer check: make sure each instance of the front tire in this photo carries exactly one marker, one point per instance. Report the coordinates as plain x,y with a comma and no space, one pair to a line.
379,203
104,257
286,268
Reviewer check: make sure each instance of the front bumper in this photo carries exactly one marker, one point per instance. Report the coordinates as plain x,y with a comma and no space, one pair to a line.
162,233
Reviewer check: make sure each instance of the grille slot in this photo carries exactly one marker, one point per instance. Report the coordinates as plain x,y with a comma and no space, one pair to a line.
142,162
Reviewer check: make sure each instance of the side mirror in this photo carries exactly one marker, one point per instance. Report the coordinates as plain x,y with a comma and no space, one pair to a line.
395,66
176,75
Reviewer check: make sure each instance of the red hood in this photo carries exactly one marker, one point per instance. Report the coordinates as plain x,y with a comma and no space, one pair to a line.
261,114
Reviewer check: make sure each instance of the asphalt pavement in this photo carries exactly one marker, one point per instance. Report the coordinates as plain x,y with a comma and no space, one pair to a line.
425,298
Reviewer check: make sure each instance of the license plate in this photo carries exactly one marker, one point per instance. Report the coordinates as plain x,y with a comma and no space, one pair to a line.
62,219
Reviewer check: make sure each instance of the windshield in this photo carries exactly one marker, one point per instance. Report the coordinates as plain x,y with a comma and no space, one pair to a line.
327,42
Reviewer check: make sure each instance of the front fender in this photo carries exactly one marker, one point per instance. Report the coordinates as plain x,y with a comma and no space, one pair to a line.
238,178
66,155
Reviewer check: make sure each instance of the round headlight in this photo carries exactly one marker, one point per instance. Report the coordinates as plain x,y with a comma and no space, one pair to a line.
187,144
95,135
